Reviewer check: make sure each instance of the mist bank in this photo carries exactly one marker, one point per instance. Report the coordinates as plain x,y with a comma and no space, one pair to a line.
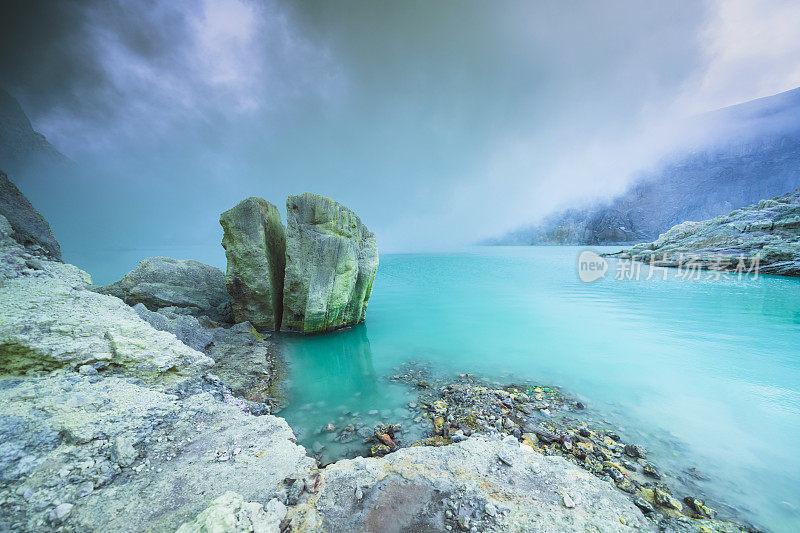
732,157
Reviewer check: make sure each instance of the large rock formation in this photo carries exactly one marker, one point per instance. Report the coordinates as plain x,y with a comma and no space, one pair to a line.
763,237
159,282
30,227
331,261
255,247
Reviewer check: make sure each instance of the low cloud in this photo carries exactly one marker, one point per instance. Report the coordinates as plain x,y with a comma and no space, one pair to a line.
439,123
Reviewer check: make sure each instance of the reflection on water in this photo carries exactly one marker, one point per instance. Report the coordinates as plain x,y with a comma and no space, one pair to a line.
333,382
339,364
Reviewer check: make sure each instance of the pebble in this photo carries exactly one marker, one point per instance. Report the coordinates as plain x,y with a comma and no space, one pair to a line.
458,436
700,507
61,511
635,451
652,471
568,502
294,492
463,523
490,509
504,458
86,489
644,505
667,500
87,370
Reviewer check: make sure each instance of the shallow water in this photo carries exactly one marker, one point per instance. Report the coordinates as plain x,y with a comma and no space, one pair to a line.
705,373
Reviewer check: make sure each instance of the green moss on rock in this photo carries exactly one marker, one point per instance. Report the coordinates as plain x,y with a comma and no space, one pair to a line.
331,261
255,247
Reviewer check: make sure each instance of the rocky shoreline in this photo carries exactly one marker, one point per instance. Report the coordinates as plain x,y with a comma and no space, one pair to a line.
157,417
763,238
549,422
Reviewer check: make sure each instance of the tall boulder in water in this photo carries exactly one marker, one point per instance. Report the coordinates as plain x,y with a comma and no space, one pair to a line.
331,261
255,246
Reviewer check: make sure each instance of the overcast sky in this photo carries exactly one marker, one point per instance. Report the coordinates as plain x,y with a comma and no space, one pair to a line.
439,123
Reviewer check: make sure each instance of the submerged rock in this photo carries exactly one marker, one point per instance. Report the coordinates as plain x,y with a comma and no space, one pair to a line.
331,261
255,246
166,282
30,228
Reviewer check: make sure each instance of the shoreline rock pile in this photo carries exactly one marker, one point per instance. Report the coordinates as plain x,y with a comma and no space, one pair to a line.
467,407
762,238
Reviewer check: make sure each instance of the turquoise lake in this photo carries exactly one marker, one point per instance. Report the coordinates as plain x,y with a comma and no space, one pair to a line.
705,373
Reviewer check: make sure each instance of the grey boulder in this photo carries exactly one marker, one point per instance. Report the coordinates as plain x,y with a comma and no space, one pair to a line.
166,282
185,327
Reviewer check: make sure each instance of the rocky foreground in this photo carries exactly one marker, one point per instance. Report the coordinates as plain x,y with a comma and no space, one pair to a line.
763,238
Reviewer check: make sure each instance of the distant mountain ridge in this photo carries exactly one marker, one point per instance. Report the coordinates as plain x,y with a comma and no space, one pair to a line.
755,155
22,147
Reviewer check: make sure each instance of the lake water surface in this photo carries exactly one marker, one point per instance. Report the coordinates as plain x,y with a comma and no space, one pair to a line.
704,373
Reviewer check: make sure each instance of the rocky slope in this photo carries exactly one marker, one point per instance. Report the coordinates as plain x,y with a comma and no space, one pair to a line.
753,153
22,148
763,237
104,418
30,227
